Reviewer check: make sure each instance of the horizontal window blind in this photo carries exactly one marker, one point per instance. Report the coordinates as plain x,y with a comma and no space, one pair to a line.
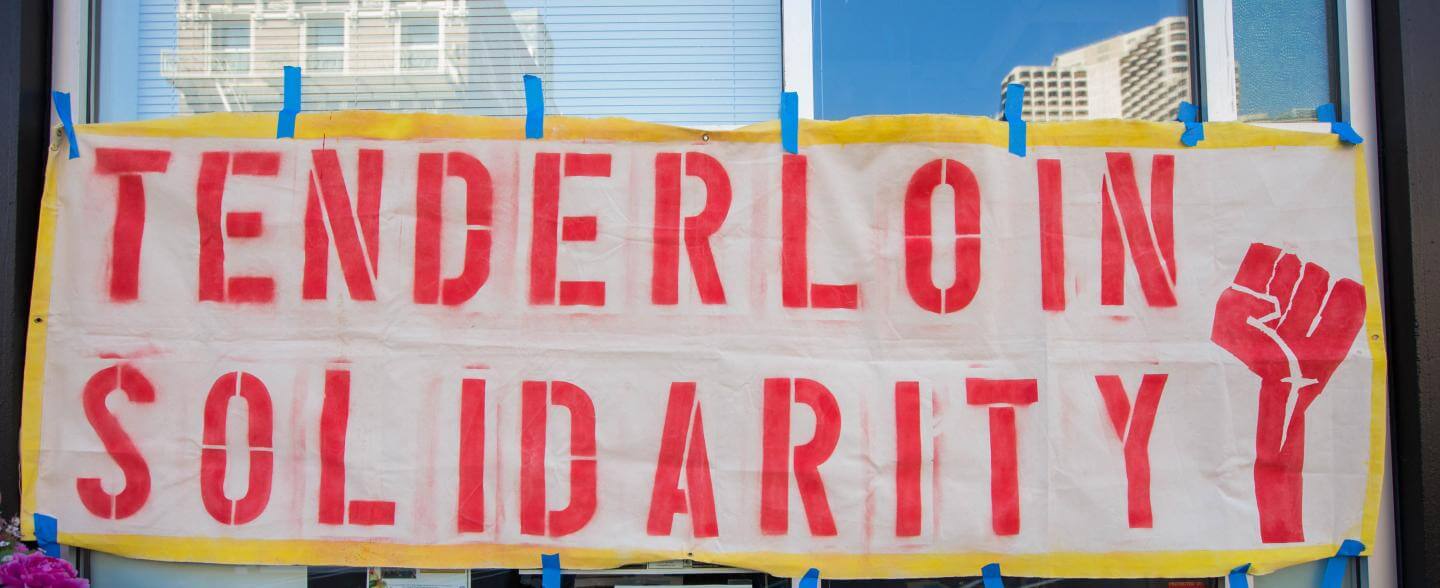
688,62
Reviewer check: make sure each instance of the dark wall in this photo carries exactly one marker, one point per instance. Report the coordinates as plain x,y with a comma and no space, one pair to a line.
1407,56
24,139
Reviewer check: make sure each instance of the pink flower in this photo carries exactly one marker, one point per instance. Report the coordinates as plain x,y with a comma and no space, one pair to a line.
34,569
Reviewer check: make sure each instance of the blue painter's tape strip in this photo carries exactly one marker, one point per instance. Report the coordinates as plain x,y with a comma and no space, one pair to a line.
1336,567
1014,109
534,108
550,570
1194,130
47,532
1240,577
790,122
1326,113
990,574
811,579
62,110
285,125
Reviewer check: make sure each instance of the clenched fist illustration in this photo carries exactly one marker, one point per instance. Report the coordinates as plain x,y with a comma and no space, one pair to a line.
1292,328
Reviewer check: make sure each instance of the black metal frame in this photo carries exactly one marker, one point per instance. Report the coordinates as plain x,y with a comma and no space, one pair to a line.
24,140
1407,40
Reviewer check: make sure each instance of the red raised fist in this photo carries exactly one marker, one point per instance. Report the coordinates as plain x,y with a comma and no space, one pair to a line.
1286,323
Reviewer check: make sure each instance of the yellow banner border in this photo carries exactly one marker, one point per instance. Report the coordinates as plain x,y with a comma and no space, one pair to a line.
915,128
871,129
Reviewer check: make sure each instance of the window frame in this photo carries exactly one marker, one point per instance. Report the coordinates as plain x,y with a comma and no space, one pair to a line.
797,61
1220,87
75,39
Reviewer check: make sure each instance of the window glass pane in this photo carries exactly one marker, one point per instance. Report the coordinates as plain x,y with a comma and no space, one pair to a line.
112,570
1285,58
420,30
325,33
690,62
324,45
230,34
229,47
1079,59
420,42
1308,575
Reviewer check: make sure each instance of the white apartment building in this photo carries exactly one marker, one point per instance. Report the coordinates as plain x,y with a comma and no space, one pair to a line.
456,55
1143,74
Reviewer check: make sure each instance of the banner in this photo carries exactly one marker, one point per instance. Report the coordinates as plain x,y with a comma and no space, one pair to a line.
425,341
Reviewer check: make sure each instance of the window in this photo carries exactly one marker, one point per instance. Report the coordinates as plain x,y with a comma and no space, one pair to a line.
956,57
702,64
230,46
1286,58
325,44
420,43
686,62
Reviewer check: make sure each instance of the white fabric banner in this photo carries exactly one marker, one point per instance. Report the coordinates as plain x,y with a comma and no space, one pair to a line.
882,356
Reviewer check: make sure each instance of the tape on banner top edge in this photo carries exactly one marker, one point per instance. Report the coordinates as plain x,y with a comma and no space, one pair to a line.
550,570
1014,115
1189,114
534,107
790,122
990,575
285,123
62,111
1350,548
1326,113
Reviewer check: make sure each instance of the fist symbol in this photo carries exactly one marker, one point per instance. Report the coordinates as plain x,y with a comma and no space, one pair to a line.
1292,328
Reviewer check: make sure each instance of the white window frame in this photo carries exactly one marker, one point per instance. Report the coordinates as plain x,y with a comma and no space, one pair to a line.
797,65
70,54
1217,59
